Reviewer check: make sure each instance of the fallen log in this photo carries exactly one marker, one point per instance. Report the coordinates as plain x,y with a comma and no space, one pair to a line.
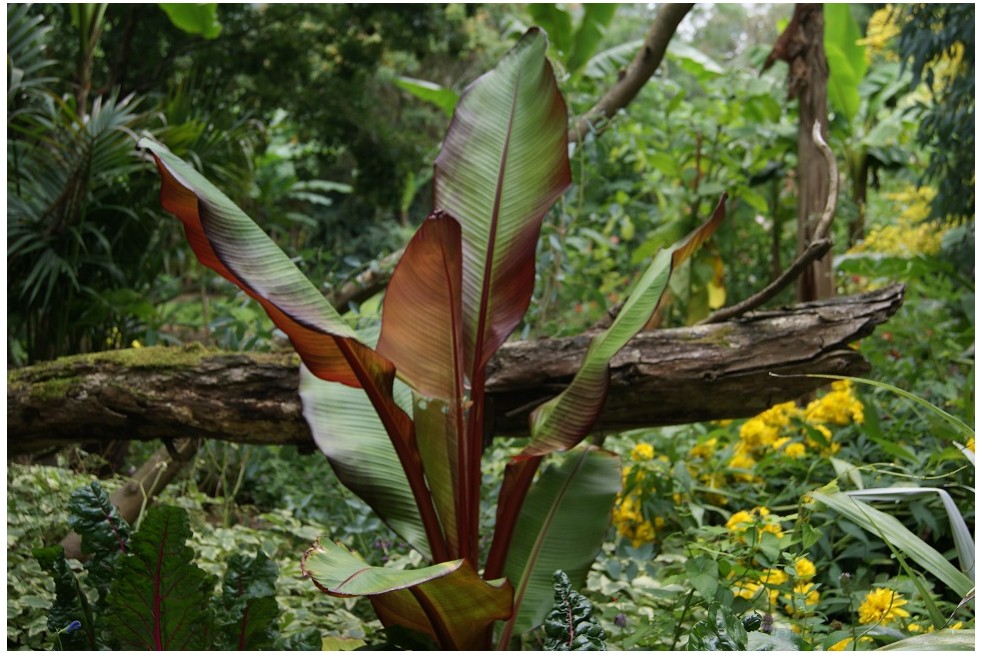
663,377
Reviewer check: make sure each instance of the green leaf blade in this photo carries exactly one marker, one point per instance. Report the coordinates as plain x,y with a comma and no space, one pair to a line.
562,525
421,313
248,604
885,526
846,58
159,599
565,420
104,532
503,163
445,99
70,602
348,431
194,18
339,572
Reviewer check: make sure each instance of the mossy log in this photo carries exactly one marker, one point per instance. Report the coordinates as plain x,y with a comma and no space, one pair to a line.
663,377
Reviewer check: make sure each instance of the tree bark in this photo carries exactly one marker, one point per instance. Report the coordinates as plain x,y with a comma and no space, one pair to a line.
801,46
663,377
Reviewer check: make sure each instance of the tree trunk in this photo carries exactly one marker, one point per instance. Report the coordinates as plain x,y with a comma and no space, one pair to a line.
812,72
663,377
801,46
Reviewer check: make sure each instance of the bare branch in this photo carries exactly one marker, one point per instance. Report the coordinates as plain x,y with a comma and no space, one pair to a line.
638,72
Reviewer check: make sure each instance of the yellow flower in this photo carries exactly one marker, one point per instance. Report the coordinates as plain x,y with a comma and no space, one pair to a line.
804,568
704,450
882,606
741,460
746,589
841,645
740,522
907,233
774,577
971,444
839,406
756,433
880,30
642,452
795,450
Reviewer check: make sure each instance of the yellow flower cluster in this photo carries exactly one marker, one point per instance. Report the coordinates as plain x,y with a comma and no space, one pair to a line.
759,517
775,430
628,514
631,523
882,606
842,645
838,407
802,598
909,234
880,30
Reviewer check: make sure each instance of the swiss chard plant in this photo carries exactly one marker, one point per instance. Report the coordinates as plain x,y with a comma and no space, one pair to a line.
401,415
149,593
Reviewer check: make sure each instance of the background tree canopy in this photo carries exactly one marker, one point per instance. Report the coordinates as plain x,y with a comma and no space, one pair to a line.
300,114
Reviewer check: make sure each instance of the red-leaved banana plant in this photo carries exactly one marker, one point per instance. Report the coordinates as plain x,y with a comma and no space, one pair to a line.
401,419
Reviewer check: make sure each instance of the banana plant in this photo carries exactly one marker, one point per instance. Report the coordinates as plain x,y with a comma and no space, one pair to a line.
401,415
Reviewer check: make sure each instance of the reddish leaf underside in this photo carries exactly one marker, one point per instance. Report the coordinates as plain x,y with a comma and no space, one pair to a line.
229,242
421,320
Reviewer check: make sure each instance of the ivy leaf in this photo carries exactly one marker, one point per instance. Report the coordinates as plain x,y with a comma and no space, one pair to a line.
571,624
309,639
249,611
70,601
105,533
159,599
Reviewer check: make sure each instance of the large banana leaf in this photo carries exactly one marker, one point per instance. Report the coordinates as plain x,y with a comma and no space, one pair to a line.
564,421
421,314
846,58
230,243
887,527
503,164
562,525
422,334
448,601
346,429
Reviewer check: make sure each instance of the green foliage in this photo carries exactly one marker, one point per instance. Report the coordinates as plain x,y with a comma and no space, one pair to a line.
159,599
846,59
70,604
104,535
945,32
571,624
248,613
198,18
158,596
720,630
462,286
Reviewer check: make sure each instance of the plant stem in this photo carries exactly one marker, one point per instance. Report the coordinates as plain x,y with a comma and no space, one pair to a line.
678,624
